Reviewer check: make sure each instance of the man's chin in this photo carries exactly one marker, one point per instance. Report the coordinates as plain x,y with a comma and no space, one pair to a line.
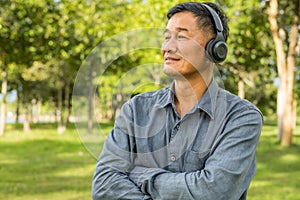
171,72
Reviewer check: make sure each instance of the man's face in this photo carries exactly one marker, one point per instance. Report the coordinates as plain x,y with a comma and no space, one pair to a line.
184,46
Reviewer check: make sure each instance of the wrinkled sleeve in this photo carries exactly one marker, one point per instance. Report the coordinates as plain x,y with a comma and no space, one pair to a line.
227,172
111,179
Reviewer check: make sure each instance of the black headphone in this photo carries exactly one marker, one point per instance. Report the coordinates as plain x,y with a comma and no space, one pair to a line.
216,49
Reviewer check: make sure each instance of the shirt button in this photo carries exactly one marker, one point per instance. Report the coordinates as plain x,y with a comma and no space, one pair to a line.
173,158
177,126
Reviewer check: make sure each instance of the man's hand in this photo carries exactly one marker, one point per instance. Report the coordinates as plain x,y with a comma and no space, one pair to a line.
144,177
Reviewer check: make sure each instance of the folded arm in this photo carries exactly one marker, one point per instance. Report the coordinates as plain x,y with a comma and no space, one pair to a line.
227,172
111,180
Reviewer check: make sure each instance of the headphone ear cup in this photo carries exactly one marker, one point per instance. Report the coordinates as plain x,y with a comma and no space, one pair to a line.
216,50
208,50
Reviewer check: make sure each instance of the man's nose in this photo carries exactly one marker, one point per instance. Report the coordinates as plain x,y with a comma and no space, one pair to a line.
169,46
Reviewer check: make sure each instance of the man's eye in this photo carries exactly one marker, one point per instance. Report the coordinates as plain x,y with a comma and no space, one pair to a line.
181,37
167,37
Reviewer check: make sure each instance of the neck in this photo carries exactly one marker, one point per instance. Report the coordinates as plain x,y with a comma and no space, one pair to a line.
188,93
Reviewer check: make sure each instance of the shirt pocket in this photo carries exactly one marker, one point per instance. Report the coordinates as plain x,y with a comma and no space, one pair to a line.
195,161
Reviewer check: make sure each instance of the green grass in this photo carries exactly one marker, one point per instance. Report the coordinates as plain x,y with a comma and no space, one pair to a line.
278,168
43,165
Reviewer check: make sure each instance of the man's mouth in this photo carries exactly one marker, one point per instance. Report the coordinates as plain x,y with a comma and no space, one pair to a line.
171,58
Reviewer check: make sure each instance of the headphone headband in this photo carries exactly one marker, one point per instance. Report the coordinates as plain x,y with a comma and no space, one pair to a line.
216,49
216,18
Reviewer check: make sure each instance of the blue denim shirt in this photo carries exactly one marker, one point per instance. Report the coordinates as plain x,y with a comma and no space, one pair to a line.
153,153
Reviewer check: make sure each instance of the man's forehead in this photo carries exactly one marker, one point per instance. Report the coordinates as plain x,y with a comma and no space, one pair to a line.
182,22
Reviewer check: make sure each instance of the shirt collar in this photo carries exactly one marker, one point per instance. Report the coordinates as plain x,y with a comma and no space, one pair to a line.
207,103
168,98
209,100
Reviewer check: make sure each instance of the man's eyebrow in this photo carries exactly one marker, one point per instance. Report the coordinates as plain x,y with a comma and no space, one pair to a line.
178,29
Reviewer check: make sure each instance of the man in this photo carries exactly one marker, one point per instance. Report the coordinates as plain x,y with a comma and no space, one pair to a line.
193,140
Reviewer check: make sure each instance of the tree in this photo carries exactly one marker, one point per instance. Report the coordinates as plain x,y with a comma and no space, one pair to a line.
247,71
10,39
284,25
4,93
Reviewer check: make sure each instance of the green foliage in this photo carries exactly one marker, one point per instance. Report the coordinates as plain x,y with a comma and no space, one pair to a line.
250,59
45,43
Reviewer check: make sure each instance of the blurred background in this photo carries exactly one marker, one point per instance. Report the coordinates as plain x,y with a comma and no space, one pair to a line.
46,145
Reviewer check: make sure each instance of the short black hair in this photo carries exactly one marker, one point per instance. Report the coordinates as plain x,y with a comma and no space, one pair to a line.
205,20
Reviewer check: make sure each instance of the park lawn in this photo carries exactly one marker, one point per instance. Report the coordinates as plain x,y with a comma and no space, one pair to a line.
278,168
43,165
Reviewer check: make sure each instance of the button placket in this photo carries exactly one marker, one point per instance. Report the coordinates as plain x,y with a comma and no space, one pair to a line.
172,156
182,137
175,130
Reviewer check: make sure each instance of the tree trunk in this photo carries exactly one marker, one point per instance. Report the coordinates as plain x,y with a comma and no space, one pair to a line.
90,100
64,109
60,127
280,108
285,66
3,101
67,104
35,110
286,139
241,88
26,124
155,74
291,62
18,106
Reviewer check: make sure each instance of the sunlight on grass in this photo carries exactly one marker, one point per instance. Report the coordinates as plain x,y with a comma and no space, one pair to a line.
278,168
290,158
42,165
